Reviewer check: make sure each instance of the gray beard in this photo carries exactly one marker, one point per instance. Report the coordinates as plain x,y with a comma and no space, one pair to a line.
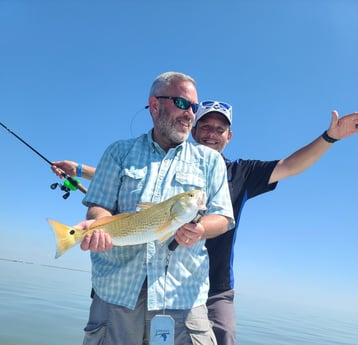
167,129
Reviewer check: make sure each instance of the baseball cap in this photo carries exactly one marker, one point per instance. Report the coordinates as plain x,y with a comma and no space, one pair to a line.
206,107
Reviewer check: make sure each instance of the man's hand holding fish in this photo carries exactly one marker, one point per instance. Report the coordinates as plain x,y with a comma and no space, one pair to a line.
98,241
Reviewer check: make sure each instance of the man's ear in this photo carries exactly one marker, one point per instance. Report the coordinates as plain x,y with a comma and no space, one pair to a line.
229,136
153,105
193,132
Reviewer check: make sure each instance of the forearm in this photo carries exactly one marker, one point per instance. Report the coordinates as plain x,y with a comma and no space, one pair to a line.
300,160
214,225
72,168
96,212
209,226
87,171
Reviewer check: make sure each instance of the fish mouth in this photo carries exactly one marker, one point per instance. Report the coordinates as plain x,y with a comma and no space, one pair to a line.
201,201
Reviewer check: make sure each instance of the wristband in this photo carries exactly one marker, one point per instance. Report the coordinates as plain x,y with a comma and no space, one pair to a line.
327,138
79,170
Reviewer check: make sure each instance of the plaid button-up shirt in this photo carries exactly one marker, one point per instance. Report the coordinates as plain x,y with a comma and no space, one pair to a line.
138,170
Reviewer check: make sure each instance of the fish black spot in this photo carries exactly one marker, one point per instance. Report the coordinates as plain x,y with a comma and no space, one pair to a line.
72,232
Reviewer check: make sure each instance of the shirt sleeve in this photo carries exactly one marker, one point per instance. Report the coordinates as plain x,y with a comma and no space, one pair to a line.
103,189
219,201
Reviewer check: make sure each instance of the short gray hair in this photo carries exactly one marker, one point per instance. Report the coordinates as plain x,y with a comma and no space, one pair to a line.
164,80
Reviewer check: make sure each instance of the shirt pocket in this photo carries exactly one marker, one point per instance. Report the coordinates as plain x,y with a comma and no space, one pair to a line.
190,180
132,181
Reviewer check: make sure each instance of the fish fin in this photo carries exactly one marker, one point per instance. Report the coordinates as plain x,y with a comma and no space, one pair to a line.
163,227
108,219
145,205
66,236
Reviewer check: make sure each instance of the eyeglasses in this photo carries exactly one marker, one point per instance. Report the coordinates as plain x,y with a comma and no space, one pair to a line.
216,104
181,103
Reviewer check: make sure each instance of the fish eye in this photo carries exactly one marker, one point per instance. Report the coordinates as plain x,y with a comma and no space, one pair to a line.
72,232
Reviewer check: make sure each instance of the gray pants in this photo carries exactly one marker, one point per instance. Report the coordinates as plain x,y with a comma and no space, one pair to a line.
111,324
222,313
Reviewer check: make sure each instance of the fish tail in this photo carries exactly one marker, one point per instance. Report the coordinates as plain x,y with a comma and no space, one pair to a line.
66,236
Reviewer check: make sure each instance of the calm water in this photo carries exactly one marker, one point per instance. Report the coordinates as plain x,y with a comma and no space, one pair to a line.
46,305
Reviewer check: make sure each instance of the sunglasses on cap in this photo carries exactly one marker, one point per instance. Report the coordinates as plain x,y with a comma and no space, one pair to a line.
222,105
181,103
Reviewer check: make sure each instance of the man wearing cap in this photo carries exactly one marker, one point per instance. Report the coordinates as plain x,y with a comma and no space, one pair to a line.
247,179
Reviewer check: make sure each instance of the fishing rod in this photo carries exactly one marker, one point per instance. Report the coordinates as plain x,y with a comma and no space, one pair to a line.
69,184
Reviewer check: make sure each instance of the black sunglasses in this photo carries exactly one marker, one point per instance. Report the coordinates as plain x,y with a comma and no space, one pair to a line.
181,103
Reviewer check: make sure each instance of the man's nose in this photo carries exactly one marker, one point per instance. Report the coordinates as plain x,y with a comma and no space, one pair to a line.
212,132
190,115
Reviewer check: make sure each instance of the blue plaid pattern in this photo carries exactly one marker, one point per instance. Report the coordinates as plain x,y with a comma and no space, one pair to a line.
138,170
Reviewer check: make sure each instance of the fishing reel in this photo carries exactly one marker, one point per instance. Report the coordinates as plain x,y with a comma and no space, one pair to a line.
66,187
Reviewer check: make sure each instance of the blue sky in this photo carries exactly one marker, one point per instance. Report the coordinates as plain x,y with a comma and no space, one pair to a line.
75,76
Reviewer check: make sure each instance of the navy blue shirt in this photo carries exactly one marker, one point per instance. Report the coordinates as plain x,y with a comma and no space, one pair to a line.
247,179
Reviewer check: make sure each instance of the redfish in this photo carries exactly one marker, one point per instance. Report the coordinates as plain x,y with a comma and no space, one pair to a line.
151,223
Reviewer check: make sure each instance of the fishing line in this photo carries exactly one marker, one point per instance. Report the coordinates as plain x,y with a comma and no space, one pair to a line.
69,184
134,117
162,326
